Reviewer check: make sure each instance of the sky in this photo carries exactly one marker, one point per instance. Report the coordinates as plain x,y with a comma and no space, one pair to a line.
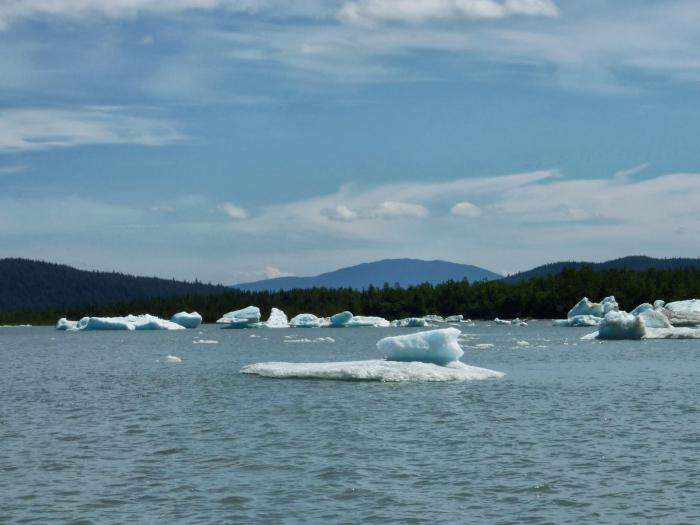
235,140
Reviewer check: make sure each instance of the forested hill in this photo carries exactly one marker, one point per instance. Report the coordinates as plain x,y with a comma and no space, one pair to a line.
27,284
637,263
549,297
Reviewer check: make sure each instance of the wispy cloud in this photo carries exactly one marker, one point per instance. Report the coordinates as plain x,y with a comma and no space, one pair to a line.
418,11
465,209
39,129
234,212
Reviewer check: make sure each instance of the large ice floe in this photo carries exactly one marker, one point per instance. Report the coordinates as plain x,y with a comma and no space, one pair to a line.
129,322
245,318
187,320
423,356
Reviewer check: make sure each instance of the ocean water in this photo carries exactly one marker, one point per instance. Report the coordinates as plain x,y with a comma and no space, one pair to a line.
98,427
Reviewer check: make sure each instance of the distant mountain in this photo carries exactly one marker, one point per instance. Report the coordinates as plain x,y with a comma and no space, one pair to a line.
406,272
634,262
27,284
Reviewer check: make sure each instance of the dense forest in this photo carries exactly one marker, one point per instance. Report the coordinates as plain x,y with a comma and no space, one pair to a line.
544,297
32,285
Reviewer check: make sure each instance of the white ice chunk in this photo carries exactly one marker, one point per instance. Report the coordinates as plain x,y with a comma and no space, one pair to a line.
205,342
172,359
454,318
65,324
642,308
187,320
362,320
515,322
372,370
621,325
277,319
683,313
434,346
247,317
654,319
308,321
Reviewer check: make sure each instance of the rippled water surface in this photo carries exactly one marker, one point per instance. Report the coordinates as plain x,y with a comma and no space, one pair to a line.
99,428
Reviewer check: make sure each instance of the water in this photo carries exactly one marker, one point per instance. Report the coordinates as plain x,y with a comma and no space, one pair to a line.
98,428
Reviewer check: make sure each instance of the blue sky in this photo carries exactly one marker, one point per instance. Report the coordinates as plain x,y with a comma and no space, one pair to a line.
233,140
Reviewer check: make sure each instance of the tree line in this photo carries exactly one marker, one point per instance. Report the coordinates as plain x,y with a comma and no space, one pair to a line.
543,297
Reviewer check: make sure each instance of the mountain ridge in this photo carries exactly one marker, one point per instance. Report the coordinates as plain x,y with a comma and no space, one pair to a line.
406,272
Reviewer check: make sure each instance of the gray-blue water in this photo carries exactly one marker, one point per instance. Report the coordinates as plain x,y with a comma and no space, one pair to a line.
96,428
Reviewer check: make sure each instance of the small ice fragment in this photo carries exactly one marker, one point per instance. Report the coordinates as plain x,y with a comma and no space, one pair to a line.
172,359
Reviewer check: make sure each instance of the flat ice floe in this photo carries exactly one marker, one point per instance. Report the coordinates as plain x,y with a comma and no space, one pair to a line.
129,322
372,370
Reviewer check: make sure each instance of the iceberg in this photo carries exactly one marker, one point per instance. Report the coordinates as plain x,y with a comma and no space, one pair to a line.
65,324
341,319
172,359
454,318
621,325
348,320
434,346
308,321
647,324
682,313
277,319
372,370
187,320
586,307
129,322
244,318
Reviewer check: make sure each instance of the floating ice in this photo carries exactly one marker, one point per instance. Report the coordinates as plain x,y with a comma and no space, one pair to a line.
187,320
172,359
682,313
308,321
247,317
277,319
483,346
522,343
65,324
372,370
454,318
348,320
434,346
341,319
579,320
129,322
515,322
411,322
647,324
307,340
205,342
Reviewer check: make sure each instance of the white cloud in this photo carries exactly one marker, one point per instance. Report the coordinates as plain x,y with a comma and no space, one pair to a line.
340,213
627,174
38,129
465,209
235,212
395,209
419,11
272,273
